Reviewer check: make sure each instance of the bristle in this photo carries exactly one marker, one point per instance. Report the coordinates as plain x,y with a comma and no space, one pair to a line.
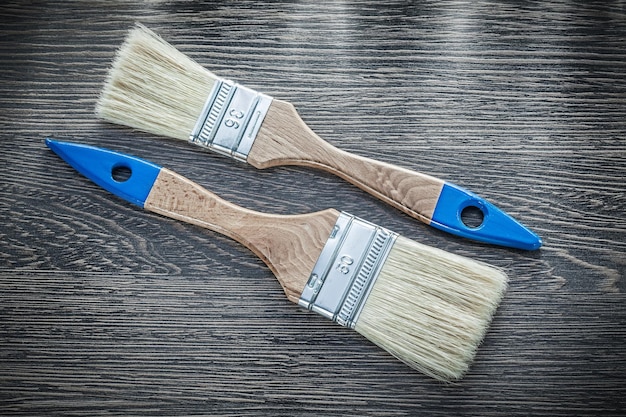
154,87
431,308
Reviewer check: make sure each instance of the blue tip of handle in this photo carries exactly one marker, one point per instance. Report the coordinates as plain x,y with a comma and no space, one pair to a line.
99,165
496,228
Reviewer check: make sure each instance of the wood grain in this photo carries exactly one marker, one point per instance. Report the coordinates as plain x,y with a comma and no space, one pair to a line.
289,245
284,139
106,309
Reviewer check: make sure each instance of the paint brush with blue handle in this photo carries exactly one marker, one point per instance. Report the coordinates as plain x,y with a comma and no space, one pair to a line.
155,88
427,307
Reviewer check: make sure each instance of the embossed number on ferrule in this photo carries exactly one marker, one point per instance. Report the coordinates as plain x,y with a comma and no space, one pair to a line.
234,119
344,263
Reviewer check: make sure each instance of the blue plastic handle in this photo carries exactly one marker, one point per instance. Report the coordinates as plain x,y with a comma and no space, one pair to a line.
99,164
497,227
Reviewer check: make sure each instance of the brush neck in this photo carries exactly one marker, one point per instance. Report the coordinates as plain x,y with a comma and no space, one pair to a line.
289,245
284,139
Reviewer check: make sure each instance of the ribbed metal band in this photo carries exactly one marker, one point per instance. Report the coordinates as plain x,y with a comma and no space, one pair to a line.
346,269
230,119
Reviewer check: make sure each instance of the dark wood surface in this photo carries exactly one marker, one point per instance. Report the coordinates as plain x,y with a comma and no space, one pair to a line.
106,309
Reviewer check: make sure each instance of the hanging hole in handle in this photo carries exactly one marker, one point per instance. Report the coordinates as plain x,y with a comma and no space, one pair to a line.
472,216
121,173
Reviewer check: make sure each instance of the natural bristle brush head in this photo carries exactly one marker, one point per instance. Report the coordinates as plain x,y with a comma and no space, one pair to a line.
431,308
154,87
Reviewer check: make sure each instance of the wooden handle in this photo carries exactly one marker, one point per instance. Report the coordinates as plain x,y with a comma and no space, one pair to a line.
284,139
289,245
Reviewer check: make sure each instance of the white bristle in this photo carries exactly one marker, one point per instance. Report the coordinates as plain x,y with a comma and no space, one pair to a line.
430,308
154,87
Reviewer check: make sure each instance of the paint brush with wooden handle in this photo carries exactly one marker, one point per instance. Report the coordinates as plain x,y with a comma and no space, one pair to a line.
427,307
155,88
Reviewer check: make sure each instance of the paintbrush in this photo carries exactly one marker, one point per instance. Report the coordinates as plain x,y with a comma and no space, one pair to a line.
156,88
427,307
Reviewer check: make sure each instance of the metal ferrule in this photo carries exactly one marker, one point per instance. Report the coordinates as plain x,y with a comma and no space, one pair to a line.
230,119
346,269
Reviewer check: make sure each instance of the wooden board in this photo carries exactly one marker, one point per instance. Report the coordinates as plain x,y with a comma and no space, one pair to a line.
108,309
